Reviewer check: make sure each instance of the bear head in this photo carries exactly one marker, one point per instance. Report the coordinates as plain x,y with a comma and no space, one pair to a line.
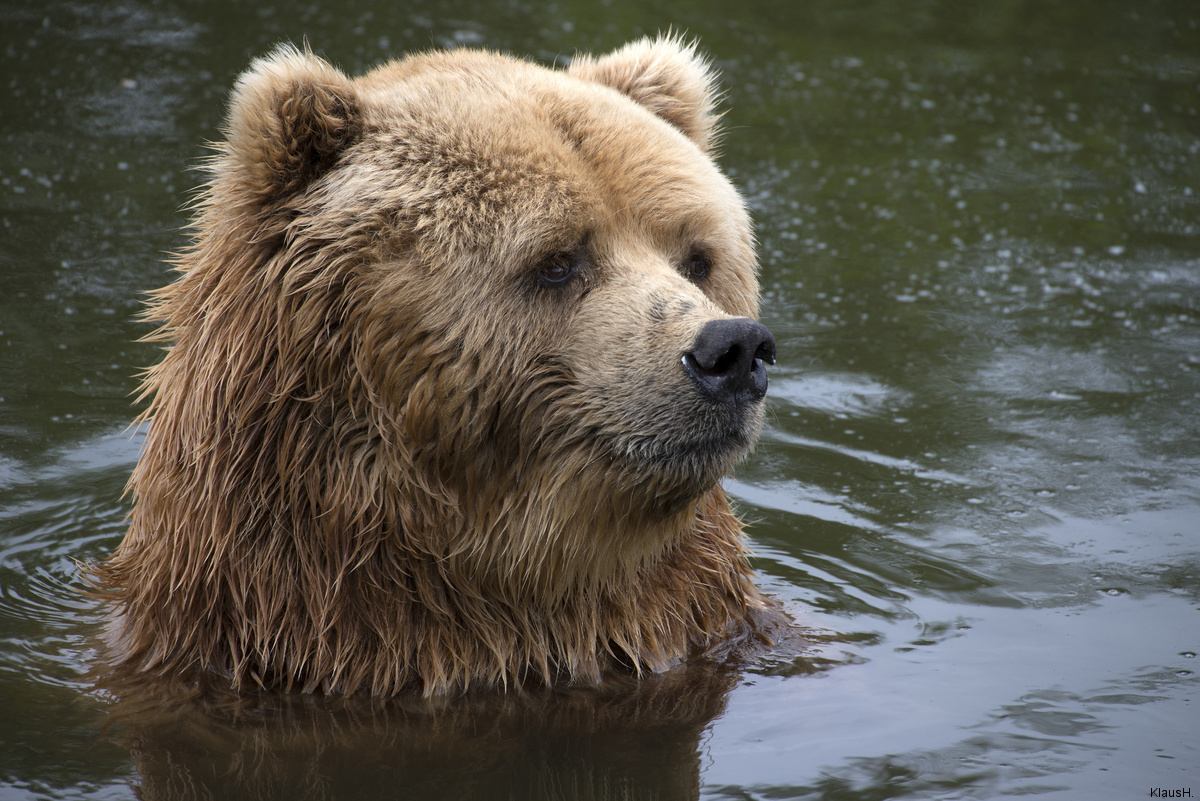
457,359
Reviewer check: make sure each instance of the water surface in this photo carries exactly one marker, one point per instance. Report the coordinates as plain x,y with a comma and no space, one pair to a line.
978,492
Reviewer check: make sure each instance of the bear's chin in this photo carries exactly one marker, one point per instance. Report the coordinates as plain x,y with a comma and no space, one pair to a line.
682,468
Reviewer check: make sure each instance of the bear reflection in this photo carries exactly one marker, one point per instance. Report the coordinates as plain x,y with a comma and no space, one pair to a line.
633,738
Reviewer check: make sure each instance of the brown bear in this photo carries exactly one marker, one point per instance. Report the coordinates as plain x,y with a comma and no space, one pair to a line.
459,355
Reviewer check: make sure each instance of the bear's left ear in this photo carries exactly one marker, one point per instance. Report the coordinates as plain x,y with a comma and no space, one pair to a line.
290,117
667,76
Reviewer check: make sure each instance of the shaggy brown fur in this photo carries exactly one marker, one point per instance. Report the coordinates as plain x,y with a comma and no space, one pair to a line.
389,447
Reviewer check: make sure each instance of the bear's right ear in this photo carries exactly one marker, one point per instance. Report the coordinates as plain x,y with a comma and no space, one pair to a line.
290,117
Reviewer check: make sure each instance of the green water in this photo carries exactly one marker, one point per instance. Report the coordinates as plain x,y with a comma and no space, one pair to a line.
978,491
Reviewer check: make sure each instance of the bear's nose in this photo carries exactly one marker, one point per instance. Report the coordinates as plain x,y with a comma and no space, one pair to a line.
726,360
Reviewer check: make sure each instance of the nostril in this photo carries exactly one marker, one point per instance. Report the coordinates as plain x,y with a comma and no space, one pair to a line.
766,350
726,360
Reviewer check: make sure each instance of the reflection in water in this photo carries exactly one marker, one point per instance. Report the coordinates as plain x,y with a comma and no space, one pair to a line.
631,739
539,746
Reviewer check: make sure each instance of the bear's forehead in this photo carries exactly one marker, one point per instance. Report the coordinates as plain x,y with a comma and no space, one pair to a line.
491,133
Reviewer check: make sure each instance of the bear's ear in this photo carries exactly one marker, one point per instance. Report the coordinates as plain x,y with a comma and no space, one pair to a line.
667,76
290,117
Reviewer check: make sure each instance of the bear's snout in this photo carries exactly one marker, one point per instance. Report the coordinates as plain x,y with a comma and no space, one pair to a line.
726,360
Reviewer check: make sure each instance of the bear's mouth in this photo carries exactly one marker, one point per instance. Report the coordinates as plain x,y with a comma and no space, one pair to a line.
705,446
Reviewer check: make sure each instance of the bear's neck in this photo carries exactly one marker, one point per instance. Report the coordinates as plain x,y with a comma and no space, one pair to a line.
279,607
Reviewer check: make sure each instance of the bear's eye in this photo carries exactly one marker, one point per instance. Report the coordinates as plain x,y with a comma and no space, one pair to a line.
697,266
558,269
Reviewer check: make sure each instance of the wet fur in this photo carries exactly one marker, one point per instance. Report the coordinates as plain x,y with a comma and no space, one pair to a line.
380,455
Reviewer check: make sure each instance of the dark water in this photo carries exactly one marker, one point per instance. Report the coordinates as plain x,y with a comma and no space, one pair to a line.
979,489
